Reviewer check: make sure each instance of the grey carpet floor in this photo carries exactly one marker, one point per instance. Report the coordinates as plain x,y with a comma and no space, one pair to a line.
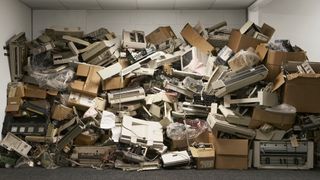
92,174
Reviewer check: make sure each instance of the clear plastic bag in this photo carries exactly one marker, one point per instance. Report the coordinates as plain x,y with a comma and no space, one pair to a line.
244,60
192,129
41,61
58,80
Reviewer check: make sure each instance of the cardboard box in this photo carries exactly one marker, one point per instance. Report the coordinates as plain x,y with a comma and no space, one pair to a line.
91,85
84,102
115,83
302,92
240,41
231,153
13,104
204,157
16,89
195,39
61,112
32,91
160,35
205,137
260,116
275,59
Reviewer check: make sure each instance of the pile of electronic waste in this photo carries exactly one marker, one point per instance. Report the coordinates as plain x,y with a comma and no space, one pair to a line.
220,98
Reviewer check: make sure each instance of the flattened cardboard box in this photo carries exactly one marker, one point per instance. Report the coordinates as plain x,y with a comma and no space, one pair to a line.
231,153
160,35
92,83
204,157
195,39
61,112
279,120
240,41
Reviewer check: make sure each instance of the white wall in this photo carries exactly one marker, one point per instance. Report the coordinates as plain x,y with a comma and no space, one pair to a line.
295,20
147,20
15,17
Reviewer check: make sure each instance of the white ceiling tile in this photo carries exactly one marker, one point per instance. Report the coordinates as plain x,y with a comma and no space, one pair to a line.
193,4
138,4
44,4
81,4
155,4
232,4
118,4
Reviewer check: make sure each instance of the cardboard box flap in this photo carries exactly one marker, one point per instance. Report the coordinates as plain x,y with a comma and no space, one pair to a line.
160,35
296,75
233,147
278,57
83,70
12,108
262,51
238,41
278,82
195,39
267,30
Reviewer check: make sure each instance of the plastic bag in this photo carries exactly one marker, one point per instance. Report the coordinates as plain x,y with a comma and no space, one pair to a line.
41,61
192,129
243,60
58,80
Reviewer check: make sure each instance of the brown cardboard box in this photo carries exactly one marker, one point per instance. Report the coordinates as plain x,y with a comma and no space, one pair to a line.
302,92
160,35
84,102
231,153
205,137
195,39
13,104
240,41
16,89
275,59
115,83
279,120
61,112
32,91
91,85
204,157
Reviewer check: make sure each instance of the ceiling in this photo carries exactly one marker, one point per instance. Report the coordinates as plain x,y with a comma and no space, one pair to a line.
137,4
